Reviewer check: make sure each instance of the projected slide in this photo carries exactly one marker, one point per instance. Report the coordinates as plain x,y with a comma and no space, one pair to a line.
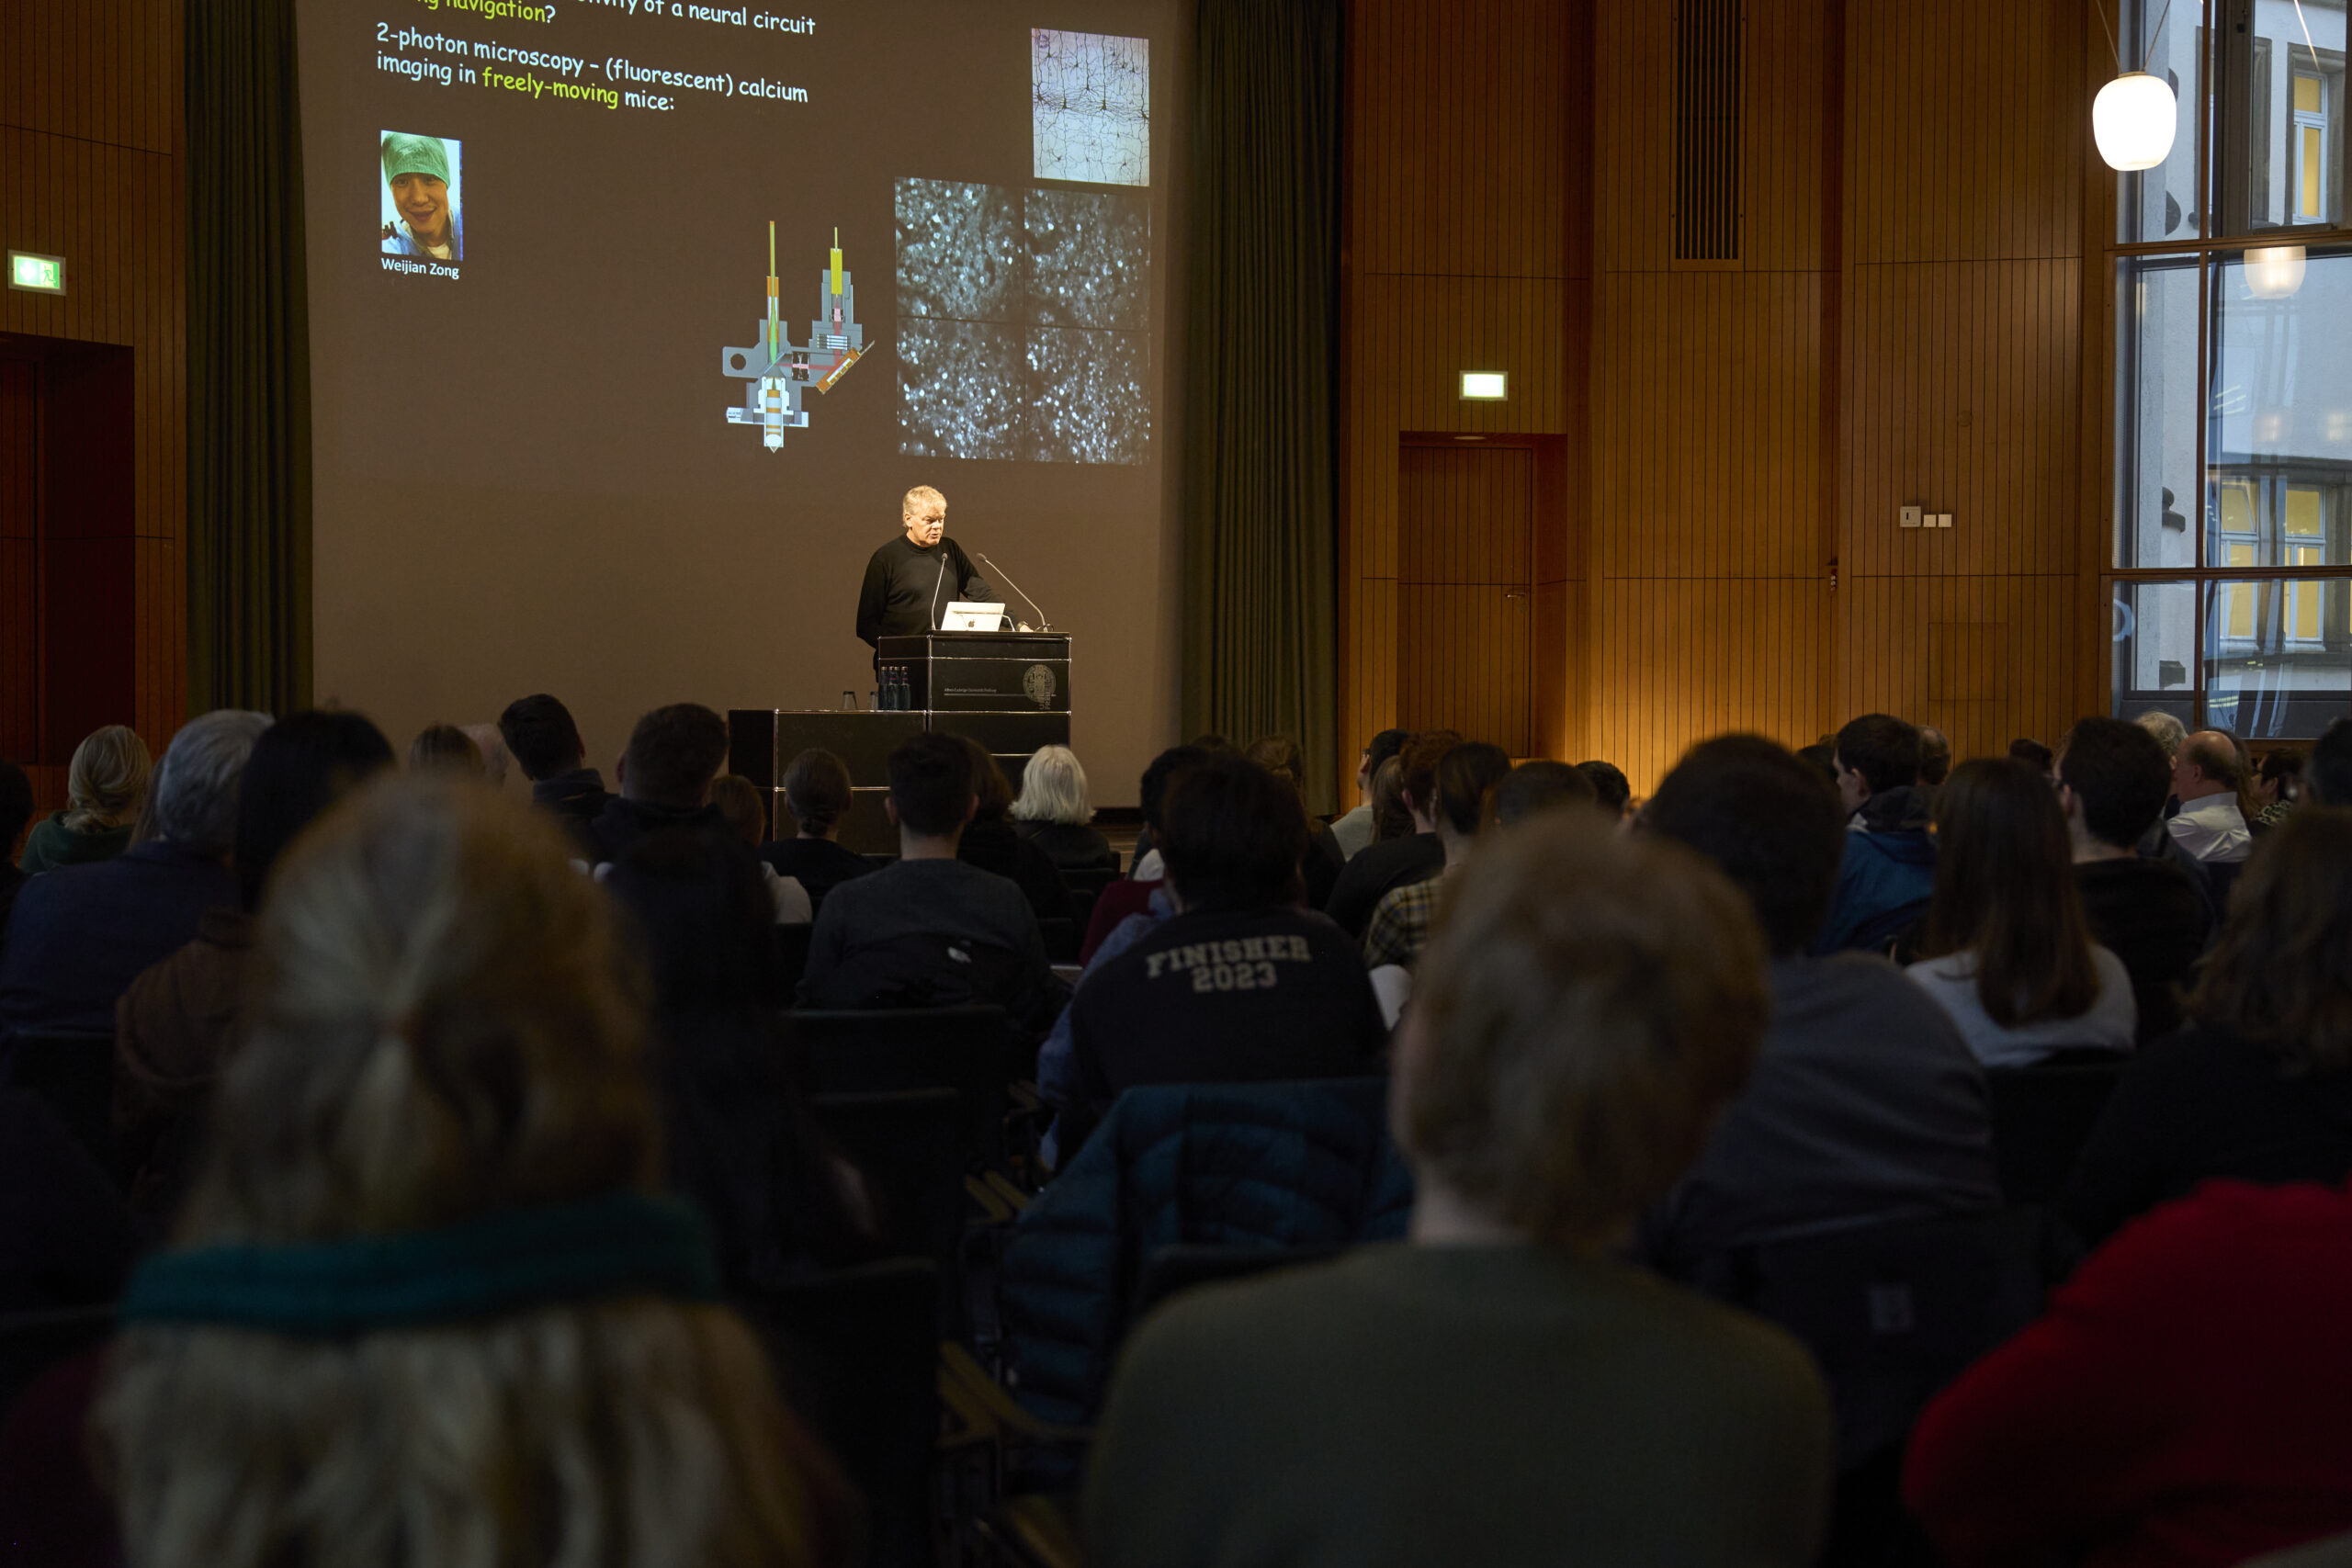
631,321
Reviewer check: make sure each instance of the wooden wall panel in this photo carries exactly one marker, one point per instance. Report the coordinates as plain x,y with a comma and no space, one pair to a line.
1465,224
1904,324
90,169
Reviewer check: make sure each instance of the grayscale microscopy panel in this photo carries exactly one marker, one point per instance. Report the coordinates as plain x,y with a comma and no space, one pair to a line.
1090,114
1089,258
960,251
1091,399
962,389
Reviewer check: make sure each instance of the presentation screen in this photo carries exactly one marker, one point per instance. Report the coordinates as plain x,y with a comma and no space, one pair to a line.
632,322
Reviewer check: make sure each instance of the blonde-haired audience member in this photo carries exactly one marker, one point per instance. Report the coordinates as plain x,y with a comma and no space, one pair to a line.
443,748
106,788
427,1304
1499,1387
1052,812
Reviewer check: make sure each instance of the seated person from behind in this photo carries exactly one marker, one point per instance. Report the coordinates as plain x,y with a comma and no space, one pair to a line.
1401,922
1538,788
429,1303
1612,791
443,748
176,1026
2009,956
1495,1390
737,801
2259,1085
79,935
1139,893
2206,776
817,794
1395,863
1866,1105
1282,756
1239,984
673,755
1053,813
1888,871
2113,780
990,843
106,788
929,931
1355,830
545,745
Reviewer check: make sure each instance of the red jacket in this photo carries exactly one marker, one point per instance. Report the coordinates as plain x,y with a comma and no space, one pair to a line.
2187,1399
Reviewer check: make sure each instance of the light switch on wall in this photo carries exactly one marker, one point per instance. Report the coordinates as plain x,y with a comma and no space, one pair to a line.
1910,517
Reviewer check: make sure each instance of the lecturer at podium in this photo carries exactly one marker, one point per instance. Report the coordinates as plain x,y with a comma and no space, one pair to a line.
917,575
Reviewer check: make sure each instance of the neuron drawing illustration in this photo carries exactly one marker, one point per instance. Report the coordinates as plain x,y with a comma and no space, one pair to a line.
777,371
1092,112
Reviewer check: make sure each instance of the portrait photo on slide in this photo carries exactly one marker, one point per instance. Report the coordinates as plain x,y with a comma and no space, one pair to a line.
423,208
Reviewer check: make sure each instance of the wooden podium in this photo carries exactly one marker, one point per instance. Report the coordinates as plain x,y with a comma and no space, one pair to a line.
1009,691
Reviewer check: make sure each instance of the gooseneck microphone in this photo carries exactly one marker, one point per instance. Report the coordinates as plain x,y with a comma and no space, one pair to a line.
940,583
1043,624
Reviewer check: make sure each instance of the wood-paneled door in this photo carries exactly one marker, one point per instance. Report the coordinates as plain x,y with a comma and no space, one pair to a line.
1465,573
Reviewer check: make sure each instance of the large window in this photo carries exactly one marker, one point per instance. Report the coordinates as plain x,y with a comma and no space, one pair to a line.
2232,588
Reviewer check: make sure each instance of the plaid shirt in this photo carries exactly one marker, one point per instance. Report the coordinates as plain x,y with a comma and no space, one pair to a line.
1400,924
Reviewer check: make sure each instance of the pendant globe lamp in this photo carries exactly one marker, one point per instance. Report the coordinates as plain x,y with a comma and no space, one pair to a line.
2132,120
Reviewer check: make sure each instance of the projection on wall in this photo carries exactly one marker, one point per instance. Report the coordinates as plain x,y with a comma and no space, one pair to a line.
1092,117
1022,323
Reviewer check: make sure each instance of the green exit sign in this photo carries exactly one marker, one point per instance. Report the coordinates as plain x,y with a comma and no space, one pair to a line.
45,274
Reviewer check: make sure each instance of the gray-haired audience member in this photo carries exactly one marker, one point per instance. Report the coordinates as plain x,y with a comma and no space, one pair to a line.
1053,813
78,935
1499,1390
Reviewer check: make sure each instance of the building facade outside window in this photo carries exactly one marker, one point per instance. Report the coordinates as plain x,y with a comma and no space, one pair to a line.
2232,560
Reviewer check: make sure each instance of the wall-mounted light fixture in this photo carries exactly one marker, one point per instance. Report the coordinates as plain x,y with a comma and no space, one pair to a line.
1486,386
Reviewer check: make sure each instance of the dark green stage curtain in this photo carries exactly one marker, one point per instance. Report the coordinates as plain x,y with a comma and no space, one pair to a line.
248,362
1262,346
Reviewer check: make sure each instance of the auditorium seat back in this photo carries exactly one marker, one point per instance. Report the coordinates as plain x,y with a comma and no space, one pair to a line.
2042,1115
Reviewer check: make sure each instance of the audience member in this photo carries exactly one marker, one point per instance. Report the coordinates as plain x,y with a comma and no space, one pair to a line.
546,744
2008,954
2277,785
1281,756
2327,777
1822,755
174,1026
1239,984
991,843
1866,1105
817,794
2182,1402
1495,1390
2260,1088
739,1143
1385,866
2168,731
1535,789
494,754
2033,754
106,788
1136,895
79,935
1888,872
1611,788
2208,783
665,776
929,930
16,821
1935,757
443,748
1146,864
1053,813
427,1304
2113,781
739,807
1390,819
1400,925
1355,828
